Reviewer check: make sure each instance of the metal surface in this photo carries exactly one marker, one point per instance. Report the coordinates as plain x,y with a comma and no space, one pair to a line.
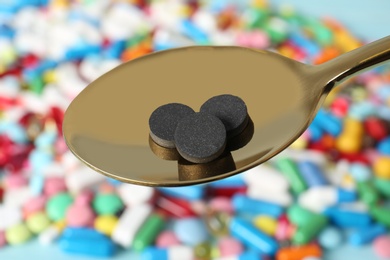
106,126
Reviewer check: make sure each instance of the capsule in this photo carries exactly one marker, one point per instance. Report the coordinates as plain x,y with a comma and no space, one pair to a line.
188,193
291,172
366,235
367,192
129,223
148,232
381,214
261,176
243,203
345,218
252,237
175,207
86,241
282,198
172,253
299,252
249,255
312,174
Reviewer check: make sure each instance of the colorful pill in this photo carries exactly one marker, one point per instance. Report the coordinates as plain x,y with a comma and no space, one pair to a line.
243,203
291,172
252,237
172,253
366,235
312,174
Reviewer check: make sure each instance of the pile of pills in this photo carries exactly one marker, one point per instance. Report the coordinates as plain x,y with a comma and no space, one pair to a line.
331,187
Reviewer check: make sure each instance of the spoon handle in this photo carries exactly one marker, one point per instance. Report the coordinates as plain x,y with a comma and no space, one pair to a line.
358,60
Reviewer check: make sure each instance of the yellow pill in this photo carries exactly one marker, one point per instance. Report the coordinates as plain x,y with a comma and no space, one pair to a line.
348,144
266,224
60,225
106,224
353,127
300,143
382,168
49,76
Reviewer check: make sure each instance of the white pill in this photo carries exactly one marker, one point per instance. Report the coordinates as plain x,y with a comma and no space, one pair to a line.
264,176
133,195
282,198
33,103
205,21
54,169
10,216
303,155
18,196
129,223
49,235
83,178
180,252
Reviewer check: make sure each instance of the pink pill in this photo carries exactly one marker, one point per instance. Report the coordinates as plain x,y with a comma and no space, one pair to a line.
259,39
229,246
84,198
13,181
80,216
106,188
54,185
60,146
221,204
382,246
34,205
167,239
3,241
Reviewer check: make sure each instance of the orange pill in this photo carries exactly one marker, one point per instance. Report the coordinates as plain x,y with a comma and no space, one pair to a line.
299,252
348,143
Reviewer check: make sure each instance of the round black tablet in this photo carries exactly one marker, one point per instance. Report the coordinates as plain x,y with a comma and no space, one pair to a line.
231,110
200,137
163,122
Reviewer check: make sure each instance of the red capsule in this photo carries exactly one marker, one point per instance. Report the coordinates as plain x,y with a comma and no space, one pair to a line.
339,106
29,61
174,207
6,103
355,157
226,191
57,115
376,128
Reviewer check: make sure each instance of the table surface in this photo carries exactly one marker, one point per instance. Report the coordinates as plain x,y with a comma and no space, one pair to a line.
368,19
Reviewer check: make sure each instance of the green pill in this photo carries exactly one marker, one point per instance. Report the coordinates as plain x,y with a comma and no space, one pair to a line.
107,204
301,216
367,193
203,251
381,214
291,172
308,231
57,206
148,232
383,186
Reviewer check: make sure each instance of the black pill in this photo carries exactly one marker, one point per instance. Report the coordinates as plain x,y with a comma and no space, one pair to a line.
231,110
200,137
163,122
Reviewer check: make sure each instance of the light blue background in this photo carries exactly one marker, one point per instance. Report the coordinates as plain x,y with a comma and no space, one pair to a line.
368,19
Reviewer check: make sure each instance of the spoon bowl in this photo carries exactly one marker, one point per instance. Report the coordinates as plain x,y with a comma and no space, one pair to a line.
106,125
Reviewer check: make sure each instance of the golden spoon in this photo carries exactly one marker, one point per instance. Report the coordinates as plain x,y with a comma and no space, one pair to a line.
106,125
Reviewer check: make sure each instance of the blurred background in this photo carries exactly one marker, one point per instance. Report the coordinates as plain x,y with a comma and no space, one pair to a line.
53,207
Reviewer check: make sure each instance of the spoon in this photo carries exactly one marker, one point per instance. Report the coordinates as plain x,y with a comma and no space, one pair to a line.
106,125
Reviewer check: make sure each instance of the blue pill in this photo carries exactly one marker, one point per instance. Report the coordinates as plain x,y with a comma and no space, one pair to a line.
347,218
315,131
190,231
192,31
40,159
330,238
231,182
250,255
252,237
242,203
37,181
366,235
16,133
188,193
384,146
330,123
362,110
115,50
86,241
344,195
45,139
312,174
152,253
360,172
